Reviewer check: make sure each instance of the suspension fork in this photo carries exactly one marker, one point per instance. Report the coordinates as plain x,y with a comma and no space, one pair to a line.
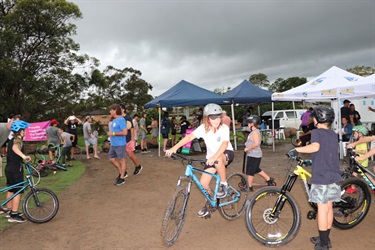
282,198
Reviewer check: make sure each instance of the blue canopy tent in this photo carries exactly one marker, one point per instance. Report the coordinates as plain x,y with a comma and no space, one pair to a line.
245,93
183,94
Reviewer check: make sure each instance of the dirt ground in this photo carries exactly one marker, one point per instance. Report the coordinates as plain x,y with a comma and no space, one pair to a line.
95,214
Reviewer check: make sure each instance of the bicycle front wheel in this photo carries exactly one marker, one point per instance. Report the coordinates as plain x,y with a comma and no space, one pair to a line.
174,216
354,205
238,187
40,205
269,226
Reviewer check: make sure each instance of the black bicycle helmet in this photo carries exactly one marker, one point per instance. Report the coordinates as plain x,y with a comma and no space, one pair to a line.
323,114
212,109
16,126
253,119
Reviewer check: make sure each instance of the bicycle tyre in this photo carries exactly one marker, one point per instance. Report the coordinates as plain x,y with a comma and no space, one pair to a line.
174,216
269,231
294,140
347,218
234,210
47,208
60,167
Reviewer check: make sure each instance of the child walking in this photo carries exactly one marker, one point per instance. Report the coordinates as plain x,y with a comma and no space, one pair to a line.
254,153
14,168
219,148
66,141
325,172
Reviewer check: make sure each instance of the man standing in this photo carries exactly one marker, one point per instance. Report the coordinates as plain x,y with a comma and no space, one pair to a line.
72,123
347,112
89,138
130,141
143,133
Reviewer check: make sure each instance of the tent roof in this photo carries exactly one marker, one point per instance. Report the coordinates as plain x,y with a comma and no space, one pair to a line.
246,92
331,84
185,94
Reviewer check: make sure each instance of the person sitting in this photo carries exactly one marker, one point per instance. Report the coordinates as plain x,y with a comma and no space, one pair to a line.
346,129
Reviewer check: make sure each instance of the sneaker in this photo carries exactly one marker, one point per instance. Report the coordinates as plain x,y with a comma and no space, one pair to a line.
7,214
351,190
251,189
316,240
320,247
126,174
223,190
271,182
119,176
203,212
17,218
138,170
144,151
120,182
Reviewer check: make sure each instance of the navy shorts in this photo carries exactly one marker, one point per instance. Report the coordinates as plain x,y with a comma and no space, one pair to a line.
252,166
229,155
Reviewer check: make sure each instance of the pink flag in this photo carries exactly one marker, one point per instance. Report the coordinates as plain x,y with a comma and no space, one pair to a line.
37,131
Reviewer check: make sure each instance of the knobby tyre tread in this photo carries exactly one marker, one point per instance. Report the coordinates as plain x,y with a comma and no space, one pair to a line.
47,208
347,218
270,231
234,210
174,216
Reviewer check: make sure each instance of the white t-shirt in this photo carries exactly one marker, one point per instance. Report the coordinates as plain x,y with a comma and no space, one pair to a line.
213,140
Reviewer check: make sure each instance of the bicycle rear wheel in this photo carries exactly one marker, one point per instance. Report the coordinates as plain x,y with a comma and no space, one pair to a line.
277,229
354,206
40,205
174,216
237,188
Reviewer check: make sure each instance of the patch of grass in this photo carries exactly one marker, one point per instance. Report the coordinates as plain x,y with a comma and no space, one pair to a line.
56,182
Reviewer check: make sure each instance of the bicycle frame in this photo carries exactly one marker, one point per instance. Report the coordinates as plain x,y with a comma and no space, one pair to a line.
364,172
26,183
190,175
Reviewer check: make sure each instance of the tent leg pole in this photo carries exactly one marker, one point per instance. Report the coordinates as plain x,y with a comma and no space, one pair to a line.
234,127
273,130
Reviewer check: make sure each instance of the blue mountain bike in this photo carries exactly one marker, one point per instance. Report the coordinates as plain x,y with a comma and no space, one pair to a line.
230,207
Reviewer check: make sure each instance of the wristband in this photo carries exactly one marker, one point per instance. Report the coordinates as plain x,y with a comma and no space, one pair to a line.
113,133
23,157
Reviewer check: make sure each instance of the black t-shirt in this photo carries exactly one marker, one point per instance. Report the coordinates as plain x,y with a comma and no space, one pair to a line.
184,125
325,162
72,128
346,112
129,126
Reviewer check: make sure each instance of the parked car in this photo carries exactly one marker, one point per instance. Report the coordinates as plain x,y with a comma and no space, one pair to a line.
284,118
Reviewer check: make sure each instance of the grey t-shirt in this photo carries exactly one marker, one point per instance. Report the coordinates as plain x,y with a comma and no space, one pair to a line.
53,135
325,162
255,152
4,133
86,130
66,138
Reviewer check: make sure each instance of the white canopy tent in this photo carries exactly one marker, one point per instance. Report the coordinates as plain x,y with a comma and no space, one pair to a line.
333,84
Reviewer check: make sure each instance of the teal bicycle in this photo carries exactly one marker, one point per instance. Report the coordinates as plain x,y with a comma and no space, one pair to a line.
40,205
230,207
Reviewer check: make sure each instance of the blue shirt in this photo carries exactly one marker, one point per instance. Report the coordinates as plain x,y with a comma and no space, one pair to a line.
118,125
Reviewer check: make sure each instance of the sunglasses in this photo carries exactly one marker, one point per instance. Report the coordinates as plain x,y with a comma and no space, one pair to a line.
214,117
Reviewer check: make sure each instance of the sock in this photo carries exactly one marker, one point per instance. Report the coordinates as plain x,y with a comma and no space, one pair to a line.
329,231
323,235
224,183
13,214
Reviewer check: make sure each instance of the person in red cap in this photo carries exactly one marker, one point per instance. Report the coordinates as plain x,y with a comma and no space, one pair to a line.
53,137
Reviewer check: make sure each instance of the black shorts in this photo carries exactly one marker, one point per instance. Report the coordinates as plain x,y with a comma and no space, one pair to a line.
165,135
74,143
14,176
229,155
252,166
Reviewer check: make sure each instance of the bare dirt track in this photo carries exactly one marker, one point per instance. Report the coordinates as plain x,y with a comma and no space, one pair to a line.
95,214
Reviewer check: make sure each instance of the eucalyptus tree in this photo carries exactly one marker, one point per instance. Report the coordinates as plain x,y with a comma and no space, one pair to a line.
39,58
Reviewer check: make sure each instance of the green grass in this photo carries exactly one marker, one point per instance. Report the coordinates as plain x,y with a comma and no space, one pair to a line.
56,182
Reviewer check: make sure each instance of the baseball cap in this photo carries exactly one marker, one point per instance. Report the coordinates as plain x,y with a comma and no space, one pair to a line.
53,121
71,118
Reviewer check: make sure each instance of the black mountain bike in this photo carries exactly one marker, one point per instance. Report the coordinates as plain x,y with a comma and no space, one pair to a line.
273,217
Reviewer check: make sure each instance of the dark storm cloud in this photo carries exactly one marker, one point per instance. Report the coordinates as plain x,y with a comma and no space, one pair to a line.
216,44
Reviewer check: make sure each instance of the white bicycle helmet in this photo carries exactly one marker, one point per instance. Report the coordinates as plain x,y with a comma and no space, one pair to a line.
212,109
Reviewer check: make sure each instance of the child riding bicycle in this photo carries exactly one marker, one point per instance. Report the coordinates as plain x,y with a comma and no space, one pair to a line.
219,149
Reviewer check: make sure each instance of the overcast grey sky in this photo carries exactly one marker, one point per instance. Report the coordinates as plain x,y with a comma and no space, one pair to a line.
218,44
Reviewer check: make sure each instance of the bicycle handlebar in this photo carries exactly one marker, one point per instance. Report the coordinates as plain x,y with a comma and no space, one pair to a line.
189,159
